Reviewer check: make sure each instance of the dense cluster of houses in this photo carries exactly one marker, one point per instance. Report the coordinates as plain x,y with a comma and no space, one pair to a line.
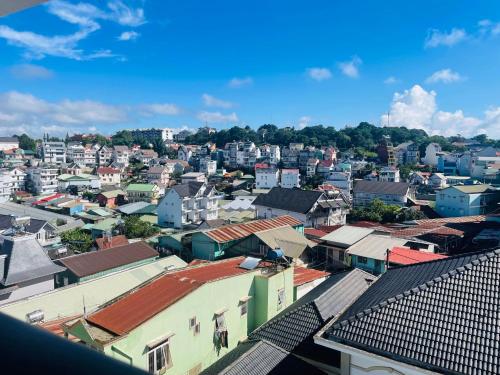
252,264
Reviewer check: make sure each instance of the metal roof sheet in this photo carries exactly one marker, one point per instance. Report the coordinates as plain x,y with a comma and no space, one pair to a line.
347,235
237,231
287,239
138,306
375,246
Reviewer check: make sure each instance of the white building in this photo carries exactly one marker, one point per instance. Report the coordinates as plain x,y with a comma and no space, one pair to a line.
290,178
193,176
208,166
6,185
389,174
104,156
109,176
18,179
189,203
432,152
8,143
342,181
121,155
159,175
271,153
165,134
266,178
76,154
43,180
54,152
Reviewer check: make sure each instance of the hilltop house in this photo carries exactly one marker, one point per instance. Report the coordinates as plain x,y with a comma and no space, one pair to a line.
188,203
142,193
109,176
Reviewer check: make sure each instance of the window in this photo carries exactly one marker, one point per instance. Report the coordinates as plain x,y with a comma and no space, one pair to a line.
192,322
197,329
221,335
281,298
244,308
262,249
159,358
341,256
362,260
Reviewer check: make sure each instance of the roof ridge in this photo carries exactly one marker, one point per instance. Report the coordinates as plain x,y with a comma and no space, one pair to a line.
419,288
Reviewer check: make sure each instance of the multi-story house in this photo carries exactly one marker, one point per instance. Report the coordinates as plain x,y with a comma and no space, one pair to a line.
182,135
185,153
142,193
6,186
18,179
54,152
109,176
389,174
231,154
189,203
104,156
329,153
290,155
290,178
484,166
80,182
247,154
305,156
146,157
342,180
394,193
43,180
158,175
266,178
189,318
271,154
208,166
311,207
121,155
76,154
311,167
467,200
165,134
325,167
386,152
432,152
412,155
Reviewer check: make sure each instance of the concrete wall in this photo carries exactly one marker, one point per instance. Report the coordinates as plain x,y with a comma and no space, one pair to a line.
28,289
189,351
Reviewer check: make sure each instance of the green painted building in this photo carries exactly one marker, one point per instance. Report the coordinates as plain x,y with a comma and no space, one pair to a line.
184,321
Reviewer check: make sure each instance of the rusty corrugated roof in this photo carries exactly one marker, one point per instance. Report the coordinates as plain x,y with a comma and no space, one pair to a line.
140,305
115,241
236,231
303,275
98,261
404,256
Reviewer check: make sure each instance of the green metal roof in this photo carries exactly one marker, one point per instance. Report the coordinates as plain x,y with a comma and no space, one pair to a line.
105,224
141,187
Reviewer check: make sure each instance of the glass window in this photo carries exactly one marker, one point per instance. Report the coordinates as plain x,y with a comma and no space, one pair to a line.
244,308
281,298
159,358
362,260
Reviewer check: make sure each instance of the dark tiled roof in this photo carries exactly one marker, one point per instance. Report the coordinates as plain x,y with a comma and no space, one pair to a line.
294,200
381,187
98,261
441,315
188,189
9,139
260,358
301,320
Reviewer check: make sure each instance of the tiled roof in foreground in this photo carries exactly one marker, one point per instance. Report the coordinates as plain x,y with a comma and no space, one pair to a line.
441,315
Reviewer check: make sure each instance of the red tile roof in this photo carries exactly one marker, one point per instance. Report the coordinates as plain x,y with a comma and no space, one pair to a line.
55,326
303,275
329,228
237,231
314,232
98,261
48,199
108,170
140,305
404,256
104,243
461,219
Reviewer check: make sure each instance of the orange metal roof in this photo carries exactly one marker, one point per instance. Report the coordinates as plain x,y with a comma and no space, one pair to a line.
55,326
236,231
302,275
115,241
404,256
140,305
314,232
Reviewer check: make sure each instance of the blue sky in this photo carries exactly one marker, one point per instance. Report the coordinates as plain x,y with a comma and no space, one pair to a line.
87,66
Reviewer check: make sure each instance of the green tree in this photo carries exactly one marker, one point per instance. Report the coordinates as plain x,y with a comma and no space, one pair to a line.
26,143
123,138
77,240
134,227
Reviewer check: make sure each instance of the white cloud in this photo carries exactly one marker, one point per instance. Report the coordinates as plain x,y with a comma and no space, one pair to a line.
391,80
417,108
319,74
212,101
236,83
436,38
304,121
85,16
162,109
128,35
488,27
30,71
217,117
351,68
444,76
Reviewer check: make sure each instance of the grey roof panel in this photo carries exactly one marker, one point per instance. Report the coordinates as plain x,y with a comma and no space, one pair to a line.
441,315
295,200
381,187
